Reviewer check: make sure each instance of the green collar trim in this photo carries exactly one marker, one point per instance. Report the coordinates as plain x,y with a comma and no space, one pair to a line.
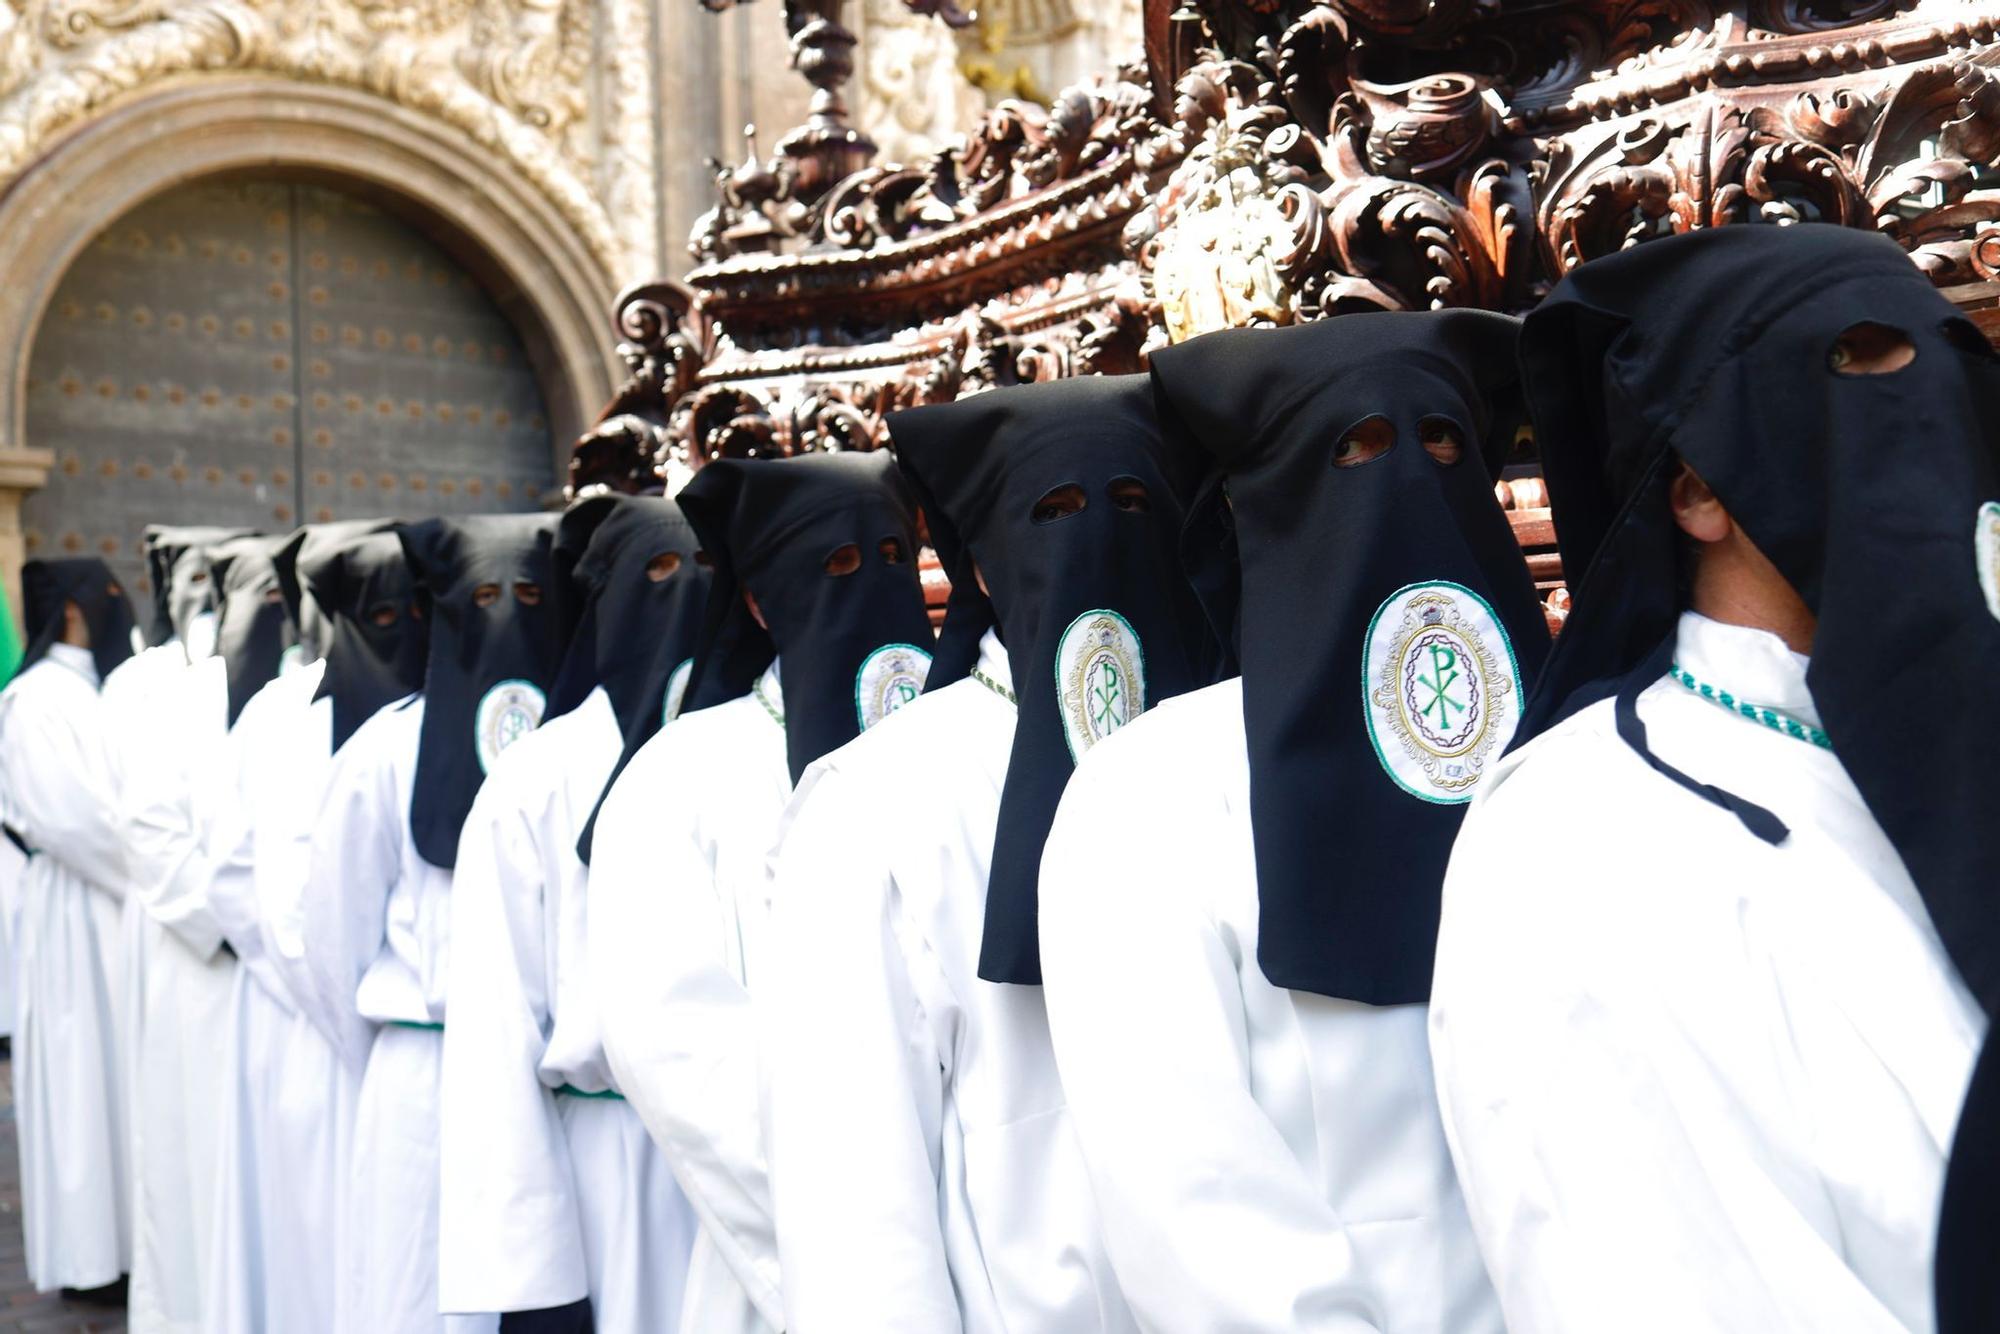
1776,719
777,716
1002,691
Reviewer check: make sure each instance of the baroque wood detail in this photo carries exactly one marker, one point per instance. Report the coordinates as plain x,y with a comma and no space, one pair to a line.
1283,160
515,76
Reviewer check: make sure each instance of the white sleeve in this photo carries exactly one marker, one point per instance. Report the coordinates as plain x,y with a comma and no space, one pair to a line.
1623,1170
677,1021
1209,1219
353,865
856,1084
172,867
64,797
510,1237
230,843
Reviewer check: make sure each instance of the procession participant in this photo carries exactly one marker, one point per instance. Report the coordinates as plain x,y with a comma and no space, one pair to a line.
1236,980
922,1159
1700,1055
815,628
552,1193
290,1100
59,788
378,889
176,788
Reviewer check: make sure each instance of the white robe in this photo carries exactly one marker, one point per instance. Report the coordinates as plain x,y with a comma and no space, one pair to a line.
925,1171
13,866
59,780
176,784
679,909
134,698
285,1125
551,1190
1266,1159
1694,1081
377,922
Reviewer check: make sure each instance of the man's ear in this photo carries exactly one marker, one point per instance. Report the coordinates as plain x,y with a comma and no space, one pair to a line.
756,612
979,577
1697,511
76,629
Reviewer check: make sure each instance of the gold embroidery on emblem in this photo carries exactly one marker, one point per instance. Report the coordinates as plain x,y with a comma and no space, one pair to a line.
1103,687
1442,695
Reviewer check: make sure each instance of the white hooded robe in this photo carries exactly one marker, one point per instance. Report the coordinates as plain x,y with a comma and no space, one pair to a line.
923,1164
551,1189
1266,1159
679,909
58,777
1694,1081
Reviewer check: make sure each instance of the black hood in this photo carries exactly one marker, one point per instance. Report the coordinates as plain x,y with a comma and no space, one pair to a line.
1098,621
575,613
490,667
351,581
88,582
253,628
854,645
1388,623
1968,1236
178,570
646,593
1876,496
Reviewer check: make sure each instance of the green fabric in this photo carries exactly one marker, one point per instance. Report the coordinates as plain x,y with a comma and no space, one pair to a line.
421,1028
10,640
571,1090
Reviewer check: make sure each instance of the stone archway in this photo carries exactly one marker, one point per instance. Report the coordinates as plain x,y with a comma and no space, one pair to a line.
507,234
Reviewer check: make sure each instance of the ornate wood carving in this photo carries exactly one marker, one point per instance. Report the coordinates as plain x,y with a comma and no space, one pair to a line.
1280,160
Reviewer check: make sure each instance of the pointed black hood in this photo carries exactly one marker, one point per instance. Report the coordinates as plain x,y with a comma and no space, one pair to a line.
178,570
1064,498
352,583
647,591
253,629
88,582
1876,496
854,644
494,649
1388,623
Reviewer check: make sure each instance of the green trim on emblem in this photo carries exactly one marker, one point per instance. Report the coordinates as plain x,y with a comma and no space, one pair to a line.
1368,689
861,675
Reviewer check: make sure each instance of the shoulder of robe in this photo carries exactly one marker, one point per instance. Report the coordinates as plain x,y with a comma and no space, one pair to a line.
1191,743
931,729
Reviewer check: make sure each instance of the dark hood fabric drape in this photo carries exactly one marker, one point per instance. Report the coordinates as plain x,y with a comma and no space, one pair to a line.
1388,625
178,571
1876,496
253,628
490,666
853,645
1098,621
647,591
1968,1236
88,582
374,641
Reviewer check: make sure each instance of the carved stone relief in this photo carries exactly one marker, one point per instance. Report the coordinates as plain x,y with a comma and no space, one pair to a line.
560,90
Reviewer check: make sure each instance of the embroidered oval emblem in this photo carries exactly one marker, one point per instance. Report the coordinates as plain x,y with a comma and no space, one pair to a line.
506,713
889,678
1440,689
1986,553
677,688
1100,678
